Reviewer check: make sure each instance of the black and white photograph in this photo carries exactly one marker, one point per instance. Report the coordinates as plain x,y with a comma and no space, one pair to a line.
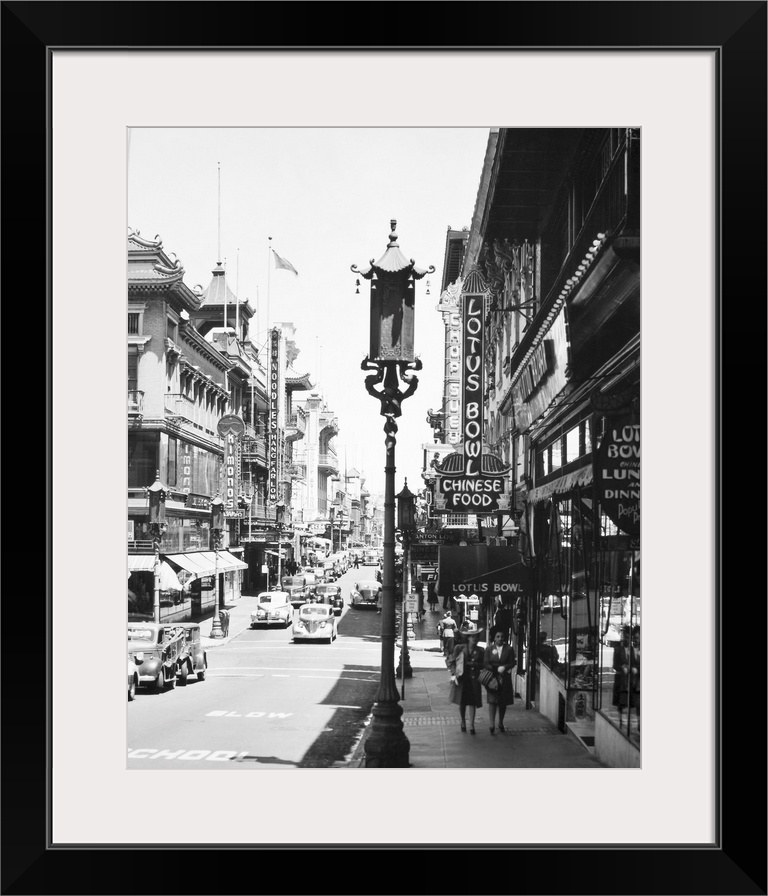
353,357
447,576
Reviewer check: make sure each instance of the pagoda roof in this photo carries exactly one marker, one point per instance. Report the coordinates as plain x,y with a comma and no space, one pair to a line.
393,261
218,292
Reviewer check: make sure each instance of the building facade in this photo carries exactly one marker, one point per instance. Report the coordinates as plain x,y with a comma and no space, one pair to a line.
555,240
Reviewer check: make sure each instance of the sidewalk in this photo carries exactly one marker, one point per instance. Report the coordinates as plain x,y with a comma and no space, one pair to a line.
432,724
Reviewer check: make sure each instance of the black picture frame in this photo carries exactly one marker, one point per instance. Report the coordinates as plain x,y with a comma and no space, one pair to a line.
737,32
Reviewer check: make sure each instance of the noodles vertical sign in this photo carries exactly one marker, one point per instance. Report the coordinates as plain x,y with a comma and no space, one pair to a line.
273,397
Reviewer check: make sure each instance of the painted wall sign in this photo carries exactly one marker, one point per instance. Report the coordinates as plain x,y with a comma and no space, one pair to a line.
618,474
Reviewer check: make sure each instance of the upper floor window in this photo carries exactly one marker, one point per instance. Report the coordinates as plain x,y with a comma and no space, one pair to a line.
134,323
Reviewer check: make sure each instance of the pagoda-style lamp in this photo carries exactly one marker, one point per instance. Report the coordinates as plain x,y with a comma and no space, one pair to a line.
157,493
391,357
217,528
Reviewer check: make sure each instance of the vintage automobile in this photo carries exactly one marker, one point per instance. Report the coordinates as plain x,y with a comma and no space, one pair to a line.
314,622
365,593
331,595
133,676
299,580
319,573
158,650
193,659
297,595
274,608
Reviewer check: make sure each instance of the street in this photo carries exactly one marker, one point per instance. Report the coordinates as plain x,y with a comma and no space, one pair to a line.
266,702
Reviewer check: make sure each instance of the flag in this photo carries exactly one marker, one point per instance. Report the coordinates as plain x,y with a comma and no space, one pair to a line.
284,264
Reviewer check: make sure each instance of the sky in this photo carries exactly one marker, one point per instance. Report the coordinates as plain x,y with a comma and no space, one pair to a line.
325,196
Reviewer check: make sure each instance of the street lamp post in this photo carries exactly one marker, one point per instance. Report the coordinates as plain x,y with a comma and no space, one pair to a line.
279,525
406,522
156,494
217,525
392,358
341,526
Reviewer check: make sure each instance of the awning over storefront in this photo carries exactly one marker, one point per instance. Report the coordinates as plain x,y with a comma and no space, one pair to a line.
578,478
204,563
226,563
141,562
275,554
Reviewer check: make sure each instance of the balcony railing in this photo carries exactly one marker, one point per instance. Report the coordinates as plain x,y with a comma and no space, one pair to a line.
179,406
329,460
607,213
295,427
135,402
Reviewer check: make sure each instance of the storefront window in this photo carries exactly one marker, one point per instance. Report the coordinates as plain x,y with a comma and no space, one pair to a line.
143,453
619,696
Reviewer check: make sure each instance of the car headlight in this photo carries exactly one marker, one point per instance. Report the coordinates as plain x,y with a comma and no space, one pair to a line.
138,657
322,625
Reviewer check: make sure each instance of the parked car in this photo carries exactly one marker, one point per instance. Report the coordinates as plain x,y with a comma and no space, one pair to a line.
157,650
133,676
331,595
314,622
194,659
365,593
274,608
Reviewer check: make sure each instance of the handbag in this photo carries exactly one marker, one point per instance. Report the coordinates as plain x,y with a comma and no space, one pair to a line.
488,679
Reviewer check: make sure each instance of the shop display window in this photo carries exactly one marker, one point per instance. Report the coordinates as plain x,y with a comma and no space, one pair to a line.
620,638
568,617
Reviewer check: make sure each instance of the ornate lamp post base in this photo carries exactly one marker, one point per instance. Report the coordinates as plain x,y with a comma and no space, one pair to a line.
386,745
216,631
405,660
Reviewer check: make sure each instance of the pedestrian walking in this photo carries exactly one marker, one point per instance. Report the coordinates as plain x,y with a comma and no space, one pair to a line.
465,664
224,620
499,659
447,632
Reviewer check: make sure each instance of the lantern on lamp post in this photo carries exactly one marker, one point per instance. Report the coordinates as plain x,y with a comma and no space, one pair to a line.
157,493
217,527
391,357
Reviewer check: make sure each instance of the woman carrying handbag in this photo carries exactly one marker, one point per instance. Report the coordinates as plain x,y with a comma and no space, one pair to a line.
465,664
500,660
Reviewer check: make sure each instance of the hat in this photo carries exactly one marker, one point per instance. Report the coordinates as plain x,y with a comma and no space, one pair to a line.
447,614
474,632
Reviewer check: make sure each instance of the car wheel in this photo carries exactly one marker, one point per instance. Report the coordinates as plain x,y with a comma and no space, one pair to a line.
132,689
160,680
182,675
171,682
201,674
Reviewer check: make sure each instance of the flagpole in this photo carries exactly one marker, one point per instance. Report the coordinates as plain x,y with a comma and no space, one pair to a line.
269,278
